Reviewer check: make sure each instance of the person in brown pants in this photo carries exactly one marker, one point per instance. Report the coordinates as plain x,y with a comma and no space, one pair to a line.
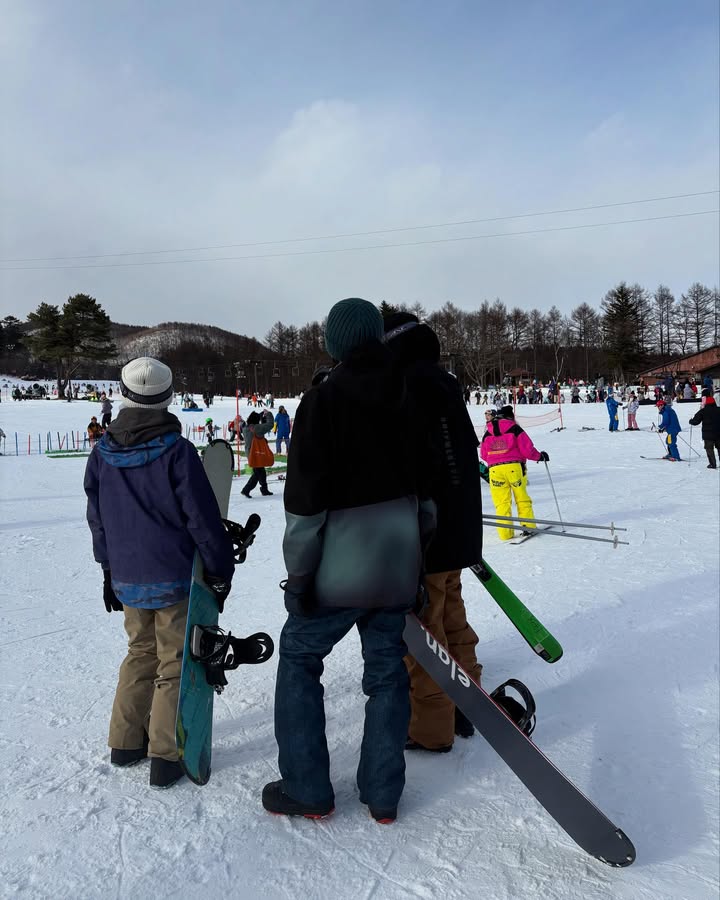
452,467
433,715
150,507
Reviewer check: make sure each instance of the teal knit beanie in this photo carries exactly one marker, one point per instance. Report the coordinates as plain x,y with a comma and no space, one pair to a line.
350,323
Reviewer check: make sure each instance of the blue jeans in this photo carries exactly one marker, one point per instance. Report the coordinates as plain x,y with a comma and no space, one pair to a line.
300,713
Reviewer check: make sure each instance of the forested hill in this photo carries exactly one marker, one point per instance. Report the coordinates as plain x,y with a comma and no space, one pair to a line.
167,338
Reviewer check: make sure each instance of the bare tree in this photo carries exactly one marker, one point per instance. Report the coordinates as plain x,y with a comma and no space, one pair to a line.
698,306
663,317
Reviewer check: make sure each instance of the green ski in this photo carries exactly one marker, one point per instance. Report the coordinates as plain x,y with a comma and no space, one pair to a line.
534,632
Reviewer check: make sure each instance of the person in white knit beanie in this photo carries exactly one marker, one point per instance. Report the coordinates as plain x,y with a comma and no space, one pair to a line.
150,508
146,383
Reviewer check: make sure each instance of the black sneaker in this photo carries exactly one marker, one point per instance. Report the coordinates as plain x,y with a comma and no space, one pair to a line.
463,726
276,801
124,758
382,815
410,744
165,772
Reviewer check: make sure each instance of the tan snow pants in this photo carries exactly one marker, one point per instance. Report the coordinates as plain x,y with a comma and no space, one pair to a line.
149,681
432,719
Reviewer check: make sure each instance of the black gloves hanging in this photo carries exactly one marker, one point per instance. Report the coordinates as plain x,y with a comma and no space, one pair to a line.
111,601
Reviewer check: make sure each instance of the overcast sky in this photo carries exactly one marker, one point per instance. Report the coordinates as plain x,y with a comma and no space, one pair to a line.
171,125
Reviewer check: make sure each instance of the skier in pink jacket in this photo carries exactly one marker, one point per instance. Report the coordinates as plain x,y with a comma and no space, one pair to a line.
506,448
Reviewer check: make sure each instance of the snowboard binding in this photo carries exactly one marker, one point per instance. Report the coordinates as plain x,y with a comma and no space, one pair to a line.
522,716
220,652
242,536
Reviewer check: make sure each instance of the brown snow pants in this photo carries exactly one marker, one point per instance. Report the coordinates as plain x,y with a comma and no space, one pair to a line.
432,719
149,681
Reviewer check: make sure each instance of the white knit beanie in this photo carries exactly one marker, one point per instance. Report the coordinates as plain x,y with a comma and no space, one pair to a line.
146,383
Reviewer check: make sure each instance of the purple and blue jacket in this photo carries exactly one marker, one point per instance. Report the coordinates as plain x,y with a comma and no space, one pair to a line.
150,506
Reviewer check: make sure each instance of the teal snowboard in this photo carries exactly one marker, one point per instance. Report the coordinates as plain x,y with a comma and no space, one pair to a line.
193,725
534,632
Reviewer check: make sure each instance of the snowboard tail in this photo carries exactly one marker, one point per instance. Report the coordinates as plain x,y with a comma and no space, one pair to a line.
534,632
570,808
193,725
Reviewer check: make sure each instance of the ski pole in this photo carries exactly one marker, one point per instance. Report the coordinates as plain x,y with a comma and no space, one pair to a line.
686,443
690,457
547,469
611,527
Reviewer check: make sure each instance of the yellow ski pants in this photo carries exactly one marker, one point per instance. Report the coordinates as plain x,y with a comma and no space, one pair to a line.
507,481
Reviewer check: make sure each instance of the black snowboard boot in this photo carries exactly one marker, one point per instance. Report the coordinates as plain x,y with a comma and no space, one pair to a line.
275,800
463,726
124,758
410,744
382,815
164,772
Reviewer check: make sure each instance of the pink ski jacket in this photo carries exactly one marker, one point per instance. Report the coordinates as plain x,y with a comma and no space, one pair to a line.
506,442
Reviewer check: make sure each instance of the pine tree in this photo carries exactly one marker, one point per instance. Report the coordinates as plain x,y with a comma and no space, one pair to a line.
78,334
620,323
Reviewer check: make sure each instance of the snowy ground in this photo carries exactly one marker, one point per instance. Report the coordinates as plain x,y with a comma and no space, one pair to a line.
630,713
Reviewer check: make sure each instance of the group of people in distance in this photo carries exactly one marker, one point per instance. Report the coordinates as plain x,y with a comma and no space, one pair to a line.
95,429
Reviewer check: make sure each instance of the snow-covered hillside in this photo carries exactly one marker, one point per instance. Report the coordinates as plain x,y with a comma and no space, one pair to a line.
630,712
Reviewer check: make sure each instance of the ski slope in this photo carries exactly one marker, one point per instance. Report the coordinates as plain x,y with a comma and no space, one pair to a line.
630,712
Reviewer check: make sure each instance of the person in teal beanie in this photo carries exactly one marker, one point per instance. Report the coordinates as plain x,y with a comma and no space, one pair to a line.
670,425
612,408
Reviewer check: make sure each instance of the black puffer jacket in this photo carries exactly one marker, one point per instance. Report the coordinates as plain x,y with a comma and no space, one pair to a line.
449,446
352,537
709,417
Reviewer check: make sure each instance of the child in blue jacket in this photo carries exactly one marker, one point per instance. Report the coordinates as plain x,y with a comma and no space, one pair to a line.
670,425
612,408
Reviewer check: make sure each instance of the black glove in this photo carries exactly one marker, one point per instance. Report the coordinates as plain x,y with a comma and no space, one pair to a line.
298,596
544,457
220,588
111,601
661,430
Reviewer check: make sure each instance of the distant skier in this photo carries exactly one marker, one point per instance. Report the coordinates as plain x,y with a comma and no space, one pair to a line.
94,430
209,430
106,410
282,422
150,506
612,408
632,408
257,425
670,425
506,448
709,417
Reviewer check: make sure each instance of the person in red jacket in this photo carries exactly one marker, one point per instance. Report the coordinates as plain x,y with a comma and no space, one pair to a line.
506,449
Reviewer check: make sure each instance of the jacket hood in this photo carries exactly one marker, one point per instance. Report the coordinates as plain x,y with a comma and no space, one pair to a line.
370,379
137,426
135,455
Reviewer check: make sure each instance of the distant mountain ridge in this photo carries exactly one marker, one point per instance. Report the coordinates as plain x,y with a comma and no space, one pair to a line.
168,338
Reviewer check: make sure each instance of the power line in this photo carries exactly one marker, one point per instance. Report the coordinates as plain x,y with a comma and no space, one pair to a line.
450,240
352,234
